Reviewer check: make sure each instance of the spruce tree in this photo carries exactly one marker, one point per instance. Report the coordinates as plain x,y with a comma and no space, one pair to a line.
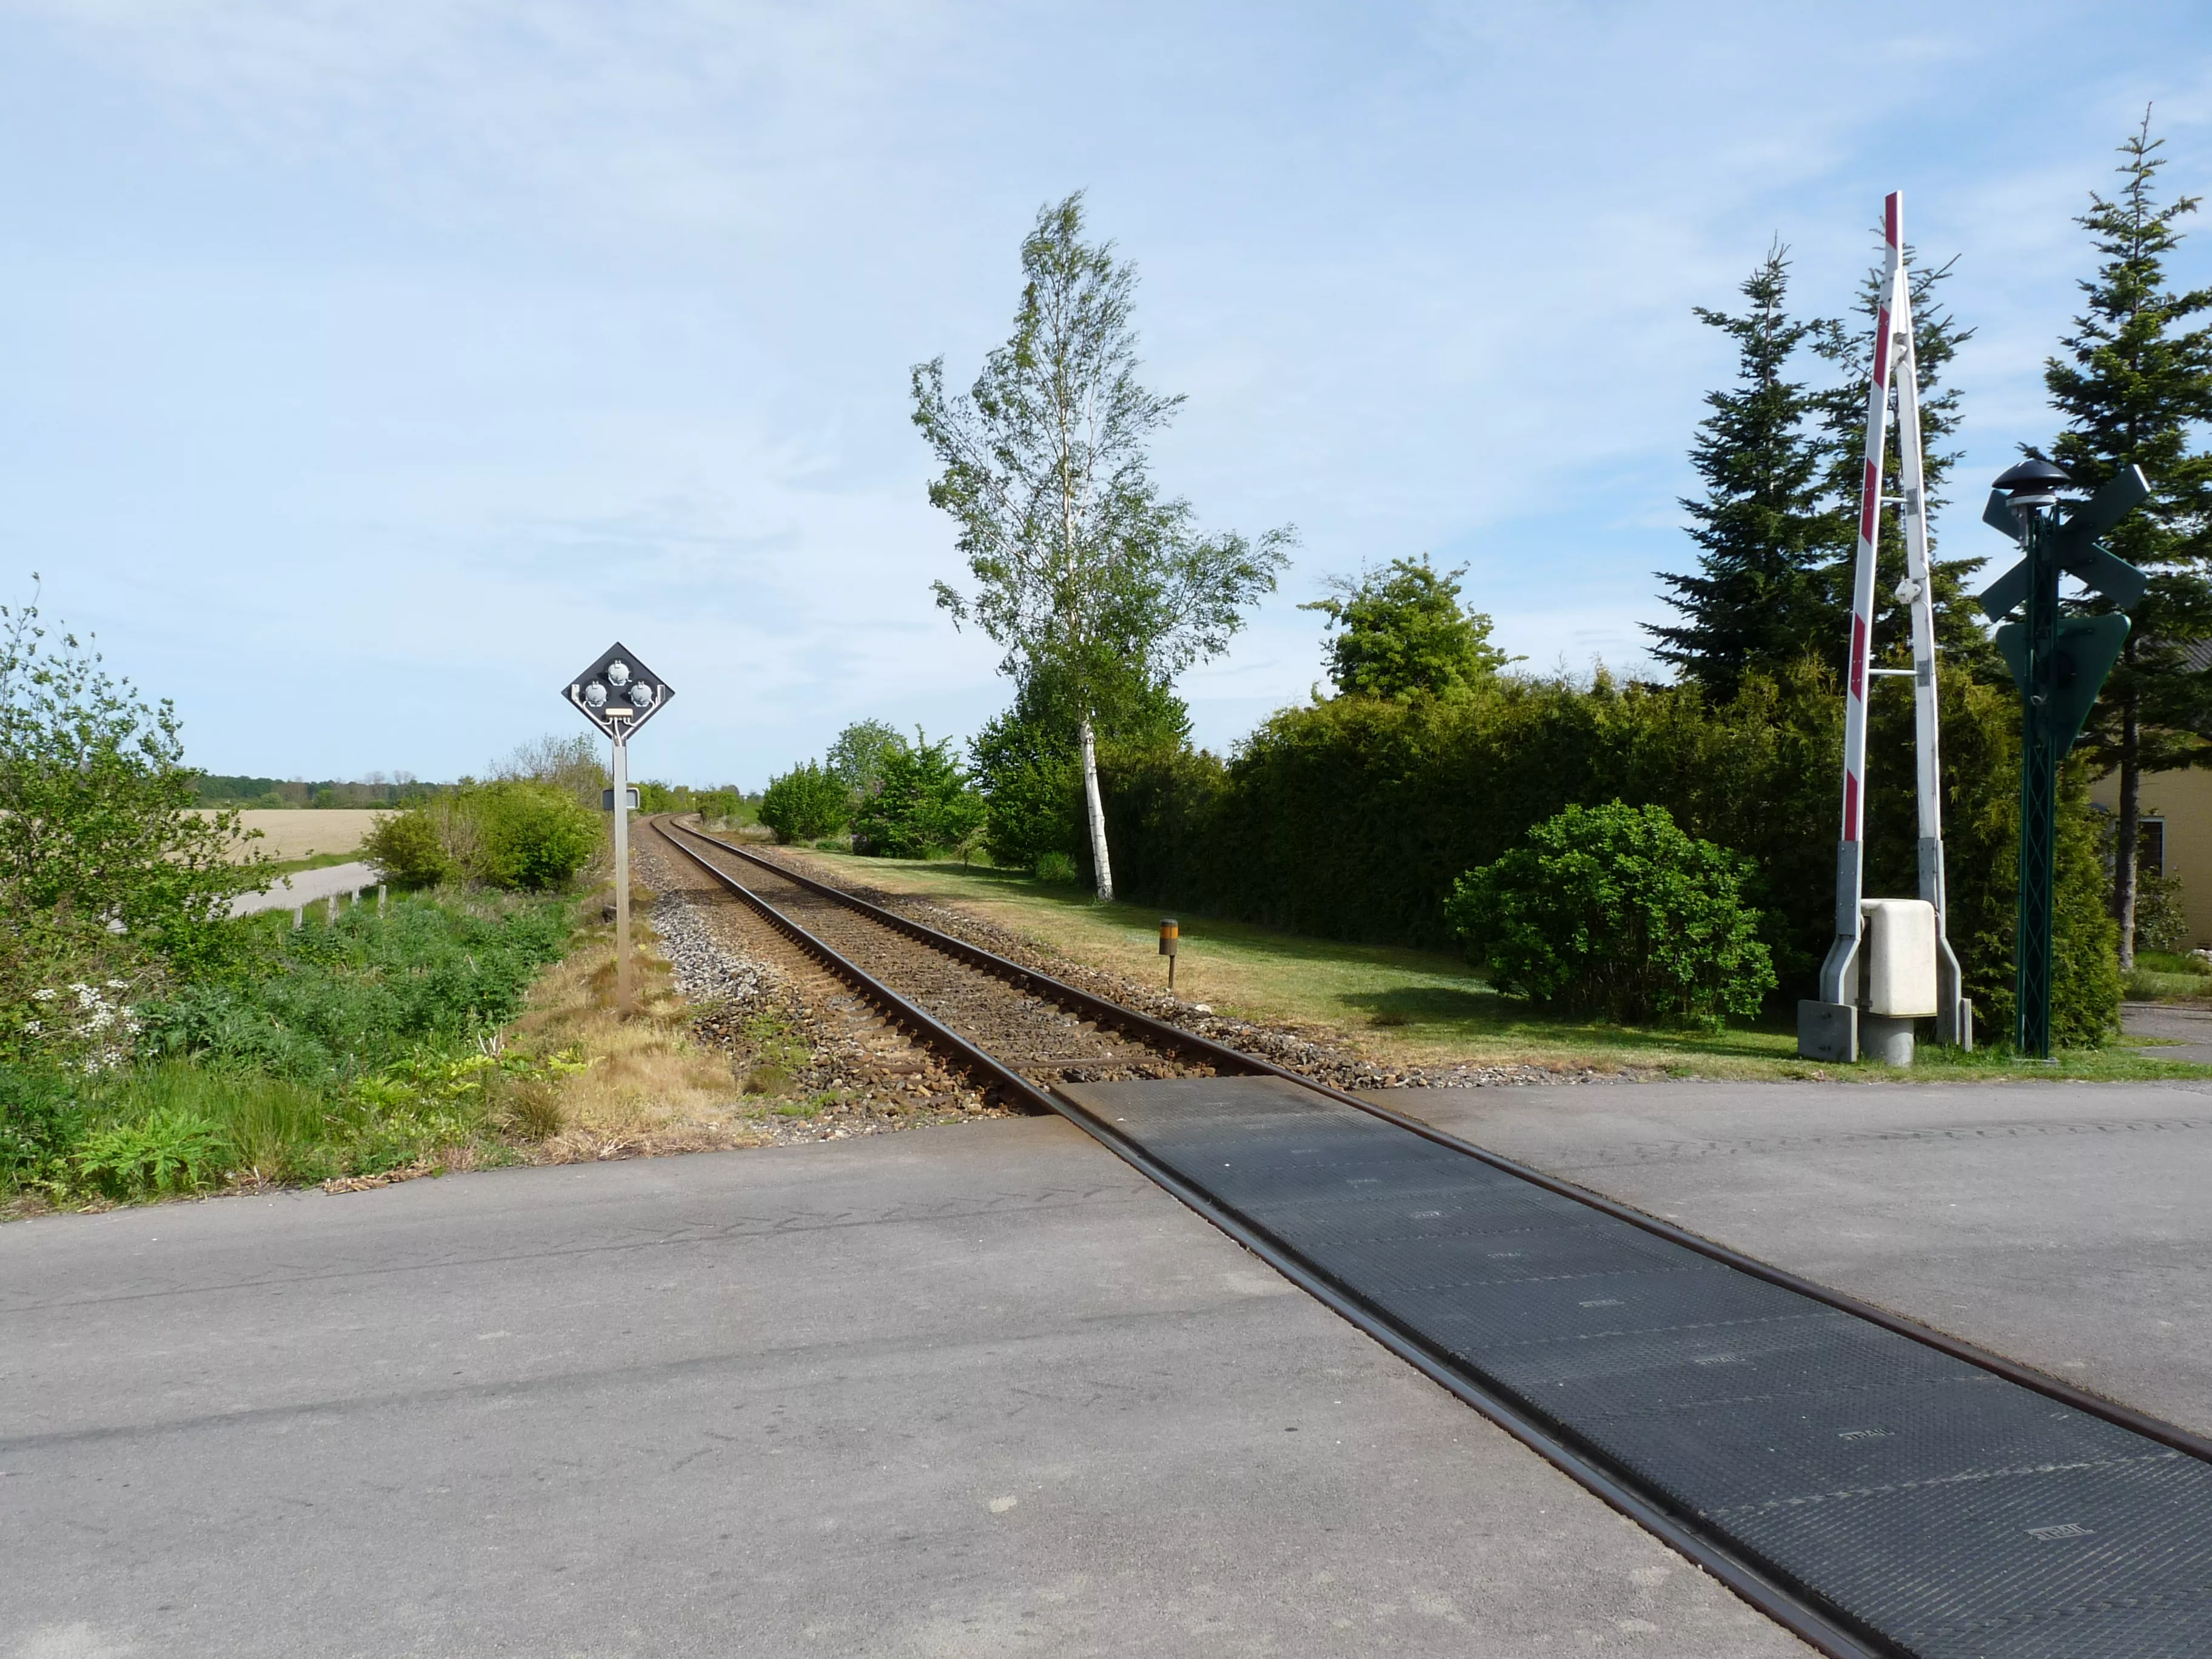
1961,636
1756,600
2135,388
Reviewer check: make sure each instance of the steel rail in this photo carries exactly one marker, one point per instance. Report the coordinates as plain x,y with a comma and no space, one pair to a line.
898,1007
1799,1607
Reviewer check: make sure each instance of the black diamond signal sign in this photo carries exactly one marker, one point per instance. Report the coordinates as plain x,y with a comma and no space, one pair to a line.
618,693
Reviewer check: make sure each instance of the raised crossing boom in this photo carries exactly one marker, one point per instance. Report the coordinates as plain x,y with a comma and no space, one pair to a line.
1828,1028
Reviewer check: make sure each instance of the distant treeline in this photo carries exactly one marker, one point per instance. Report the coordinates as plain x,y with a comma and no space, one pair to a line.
280,792
727,802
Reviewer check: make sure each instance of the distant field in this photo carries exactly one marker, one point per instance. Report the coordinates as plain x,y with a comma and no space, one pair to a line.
292,835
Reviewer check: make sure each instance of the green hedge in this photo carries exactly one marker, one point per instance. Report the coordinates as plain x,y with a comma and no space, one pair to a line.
1352,818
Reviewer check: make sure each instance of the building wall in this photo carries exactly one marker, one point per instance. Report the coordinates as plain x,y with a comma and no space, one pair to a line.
2184,800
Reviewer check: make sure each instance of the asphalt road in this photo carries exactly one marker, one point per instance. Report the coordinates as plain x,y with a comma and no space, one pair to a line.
309,887
2069,1226
2175,1031
979,1389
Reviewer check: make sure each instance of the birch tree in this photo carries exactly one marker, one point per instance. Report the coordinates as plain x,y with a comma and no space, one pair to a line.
1084,574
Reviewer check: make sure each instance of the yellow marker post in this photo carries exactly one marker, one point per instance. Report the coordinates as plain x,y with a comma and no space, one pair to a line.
1171,935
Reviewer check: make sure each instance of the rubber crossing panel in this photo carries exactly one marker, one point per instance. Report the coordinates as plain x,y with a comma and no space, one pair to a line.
1936,1506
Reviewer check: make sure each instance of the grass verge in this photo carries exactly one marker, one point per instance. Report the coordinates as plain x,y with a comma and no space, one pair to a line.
457,1031
1404,1007
646,1083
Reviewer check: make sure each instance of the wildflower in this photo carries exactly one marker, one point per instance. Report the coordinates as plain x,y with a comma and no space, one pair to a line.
118,985
47,995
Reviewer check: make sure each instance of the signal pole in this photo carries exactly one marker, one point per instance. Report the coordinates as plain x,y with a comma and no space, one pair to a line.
2059,663
618,694
621,803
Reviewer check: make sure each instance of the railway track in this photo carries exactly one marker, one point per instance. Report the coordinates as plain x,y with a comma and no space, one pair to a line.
1022,1031
1875,1486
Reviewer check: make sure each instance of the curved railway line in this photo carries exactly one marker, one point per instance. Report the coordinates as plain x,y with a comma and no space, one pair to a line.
1876,1486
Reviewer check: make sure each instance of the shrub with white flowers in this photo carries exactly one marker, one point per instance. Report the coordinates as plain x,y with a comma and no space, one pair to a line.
112,884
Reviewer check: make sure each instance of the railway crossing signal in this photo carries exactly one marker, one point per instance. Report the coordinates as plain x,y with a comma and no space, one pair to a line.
618,694
2059,663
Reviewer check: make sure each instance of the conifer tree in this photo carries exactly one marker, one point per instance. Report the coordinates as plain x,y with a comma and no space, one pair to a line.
1757,598
2135,389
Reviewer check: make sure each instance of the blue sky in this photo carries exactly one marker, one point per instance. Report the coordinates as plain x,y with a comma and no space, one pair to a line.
367,368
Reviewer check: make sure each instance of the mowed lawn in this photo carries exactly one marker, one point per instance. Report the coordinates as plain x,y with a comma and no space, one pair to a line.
1400,1007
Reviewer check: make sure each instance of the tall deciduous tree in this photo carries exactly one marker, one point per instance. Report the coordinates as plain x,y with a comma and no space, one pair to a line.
2135,388
1402,633
1085,574
1757,599
857,755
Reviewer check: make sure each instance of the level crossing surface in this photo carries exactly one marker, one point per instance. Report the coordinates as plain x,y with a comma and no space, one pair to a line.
1925,1504
2063,1225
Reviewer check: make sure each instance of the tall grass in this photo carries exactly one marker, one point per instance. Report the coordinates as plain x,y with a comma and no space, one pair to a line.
337,1049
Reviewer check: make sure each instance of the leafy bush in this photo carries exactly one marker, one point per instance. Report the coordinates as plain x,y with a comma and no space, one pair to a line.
925,805
109,879
1033,782
856,756
170,1151
805,802
517,833
39,1122
406,847
1401,633
2161,923
570,764
724,805
1612,910
535,837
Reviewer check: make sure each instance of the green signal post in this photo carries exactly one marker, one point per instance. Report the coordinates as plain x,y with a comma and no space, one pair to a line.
2059,663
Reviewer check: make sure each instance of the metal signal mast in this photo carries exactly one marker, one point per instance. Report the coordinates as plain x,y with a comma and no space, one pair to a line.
1829,1029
